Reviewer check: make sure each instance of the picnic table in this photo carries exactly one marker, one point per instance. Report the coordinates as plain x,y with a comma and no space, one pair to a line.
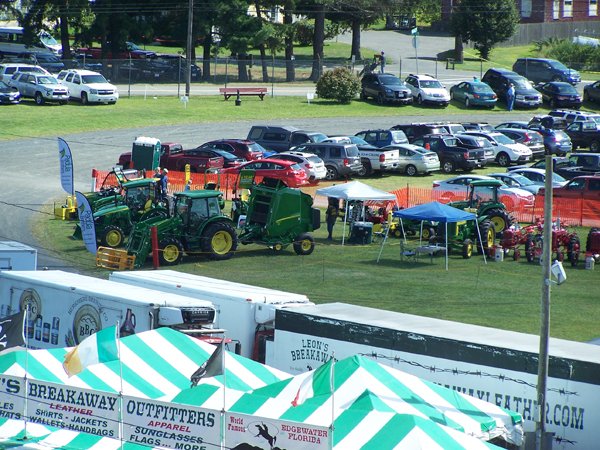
235,91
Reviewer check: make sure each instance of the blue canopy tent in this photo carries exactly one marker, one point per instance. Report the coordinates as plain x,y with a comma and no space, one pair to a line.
434,212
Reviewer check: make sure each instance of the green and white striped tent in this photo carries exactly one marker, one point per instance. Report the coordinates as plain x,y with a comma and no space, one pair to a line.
377,407
155,364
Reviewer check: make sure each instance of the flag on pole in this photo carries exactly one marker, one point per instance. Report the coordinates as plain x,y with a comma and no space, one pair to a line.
213,366
66,166
100,347
11,330
318,382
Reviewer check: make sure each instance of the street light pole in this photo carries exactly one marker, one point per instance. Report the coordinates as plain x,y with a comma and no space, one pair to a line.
188,56
540,430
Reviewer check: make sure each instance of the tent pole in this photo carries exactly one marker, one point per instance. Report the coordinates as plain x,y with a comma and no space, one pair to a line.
481,242
385,236
446,223
345,220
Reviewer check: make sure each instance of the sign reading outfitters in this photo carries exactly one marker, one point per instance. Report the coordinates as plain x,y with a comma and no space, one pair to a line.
170,425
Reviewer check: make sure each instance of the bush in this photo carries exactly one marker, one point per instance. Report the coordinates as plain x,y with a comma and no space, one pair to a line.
338,84
576,56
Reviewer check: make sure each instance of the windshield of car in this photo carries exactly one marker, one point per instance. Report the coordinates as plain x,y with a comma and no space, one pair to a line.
523,181
133,47
558,65
47,80
314,159
89,79
557,178
421,150
481,88
502,139
224,154
521,83
561,135
358,140
255,147
319,137
352,150
3,85
566,88
390,80
431,84
451,142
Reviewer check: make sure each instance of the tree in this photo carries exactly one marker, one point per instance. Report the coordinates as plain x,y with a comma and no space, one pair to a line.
484,22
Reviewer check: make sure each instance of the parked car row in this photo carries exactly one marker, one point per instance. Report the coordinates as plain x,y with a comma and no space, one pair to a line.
35,82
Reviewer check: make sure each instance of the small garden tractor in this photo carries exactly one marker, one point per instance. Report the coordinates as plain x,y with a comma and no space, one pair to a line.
464,236
140,202
196,226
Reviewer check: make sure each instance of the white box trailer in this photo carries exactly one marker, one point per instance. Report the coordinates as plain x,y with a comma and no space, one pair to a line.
17,256
494,365
65,308
245,312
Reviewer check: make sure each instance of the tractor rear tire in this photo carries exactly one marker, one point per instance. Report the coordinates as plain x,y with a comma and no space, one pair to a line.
467,249
304,244
219,241
501,219
573,251
113,236
428,234
171,252
488,236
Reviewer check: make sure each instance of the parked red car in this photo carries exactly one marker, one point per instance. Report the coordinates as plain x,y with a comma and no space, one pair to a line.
242,148
287,171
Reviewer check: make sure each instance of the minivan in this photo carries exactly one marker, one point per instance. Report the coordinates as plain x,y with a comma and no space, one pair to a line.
341,160
500,79
541,70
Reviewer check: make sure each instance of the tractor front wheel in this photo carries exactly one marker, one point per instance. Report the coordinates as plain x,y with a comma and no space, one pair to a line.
467,249
113,236
428,234
219,241
530,249
171,252
304,244
573,250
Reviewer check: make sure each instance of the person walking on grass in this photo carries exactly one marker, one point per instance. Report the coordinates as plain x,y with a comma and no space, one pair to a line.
331,215
382,61
510,97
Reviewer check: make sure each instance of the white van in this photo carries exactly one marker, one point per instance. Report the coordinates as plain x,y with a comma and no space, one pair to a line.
11,42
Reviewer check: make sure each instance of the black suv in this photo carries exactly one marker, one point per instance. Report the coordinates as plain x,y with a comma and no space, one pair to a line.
385,87
451,154
540,70
584,134
416,130
525,94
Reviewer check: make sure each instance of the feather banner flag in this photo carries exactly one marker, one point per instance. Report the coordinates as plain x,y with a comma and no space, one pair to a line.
66,166
100,347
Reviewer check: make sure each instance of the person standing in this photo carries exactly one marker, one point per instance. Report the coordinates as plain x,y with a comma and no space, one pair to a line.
164,184
332,212
382,61
510,97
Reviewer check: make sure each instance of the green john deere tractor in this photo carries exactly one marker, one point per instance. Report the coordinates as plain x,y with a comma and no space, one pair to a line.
196,225
492,218
116,220
277,216
483,201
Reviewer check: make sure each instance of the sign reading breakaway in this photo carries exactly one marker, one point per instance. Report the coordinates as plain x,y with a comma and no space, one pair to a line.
170,425
61,406
270,433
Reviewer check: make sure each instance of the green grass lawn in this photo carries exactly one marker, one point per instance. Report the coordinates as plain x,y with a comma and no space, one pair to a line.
152,111
503,295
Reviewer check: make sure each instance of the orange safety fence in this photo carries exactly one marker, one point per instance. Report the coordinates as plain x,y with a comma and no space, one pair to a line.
577,212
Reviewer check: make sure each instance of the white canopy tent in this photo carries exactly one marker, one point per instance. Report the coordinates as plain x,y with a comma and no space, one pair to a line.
355,191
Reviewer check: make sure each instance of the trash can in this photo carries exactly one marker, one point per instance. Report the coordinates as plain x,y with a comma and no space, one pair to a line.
361,233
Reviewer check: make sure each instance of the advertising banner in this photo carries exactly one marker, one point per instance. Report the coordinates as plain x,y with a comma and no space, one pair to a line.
170,425
66,166
61,406
243,431
86,222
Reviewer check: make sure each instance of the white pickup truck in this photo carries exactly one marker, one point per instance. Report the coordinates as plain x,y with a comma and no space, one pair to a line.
373,159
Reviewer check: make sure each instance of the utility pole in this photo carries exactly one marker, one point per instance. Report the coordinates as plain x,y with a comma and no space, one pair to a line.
188,55
540,429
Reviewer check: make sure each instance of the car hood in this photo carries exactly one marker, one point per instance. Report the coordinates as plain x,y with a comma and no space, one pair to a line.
519,192
438,92
9,90
101,86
